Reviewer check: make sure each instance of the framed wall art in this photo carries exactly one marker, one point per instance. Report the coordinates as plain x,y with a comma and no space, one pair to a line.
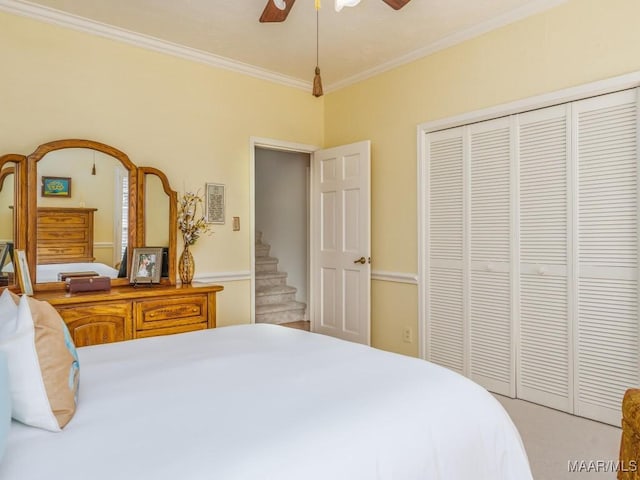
56,186
214,203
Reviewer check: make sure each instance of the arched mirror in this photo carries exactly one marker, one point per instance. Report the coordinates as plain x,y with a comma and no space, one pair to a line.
85,207
159,207
82,213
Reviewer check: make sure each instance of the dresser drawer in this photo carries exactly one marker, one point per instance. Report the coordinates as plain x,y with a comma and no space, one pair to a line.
171,312
170,330
53,219
71,235
59,253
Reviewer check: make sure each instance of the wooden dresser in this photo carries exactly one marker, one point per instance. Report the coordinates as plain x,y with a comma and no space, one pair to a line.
630,441
65,235
128,312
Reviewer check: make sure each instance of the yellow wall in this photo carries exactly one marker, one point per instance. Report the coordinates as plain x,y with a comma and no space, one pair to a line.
194,121
190,120
576,43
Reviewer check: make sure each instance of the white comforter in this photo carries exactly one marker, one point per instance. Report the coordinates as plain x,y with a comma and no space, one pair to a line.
49,272
266,402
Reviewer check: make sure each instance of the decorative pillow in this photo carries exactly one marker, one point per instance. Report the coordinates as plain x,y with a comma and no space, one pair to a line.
43,363
5,403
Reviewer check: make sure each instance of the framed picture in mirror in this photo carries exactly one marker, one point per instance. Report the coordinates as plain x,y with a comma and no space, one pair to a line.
146,265
56,186
22,269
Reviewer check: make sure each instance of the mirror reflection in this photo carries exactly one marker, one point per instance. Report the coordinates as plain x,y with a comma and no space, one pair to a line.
83,206
7,199
156,213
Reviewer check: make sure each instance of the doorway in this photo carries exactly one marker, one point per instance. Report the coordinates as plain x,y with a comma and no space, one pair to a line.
282,237
280,283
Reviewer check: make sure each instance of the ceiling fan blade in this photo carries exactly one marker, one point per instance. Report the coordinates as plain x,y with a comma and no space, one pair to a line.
272,13
396,4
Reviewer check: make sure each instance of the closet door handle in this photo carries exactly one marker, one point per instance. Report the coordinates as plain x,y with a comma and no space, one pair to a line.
361,260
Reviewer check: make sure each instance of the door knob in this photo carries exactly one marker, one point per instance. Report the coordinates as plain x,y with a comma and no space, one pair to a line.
361,260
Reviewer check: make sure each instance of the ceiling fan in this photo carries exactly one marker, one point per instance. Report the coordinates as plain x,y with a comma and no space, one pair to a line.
278,10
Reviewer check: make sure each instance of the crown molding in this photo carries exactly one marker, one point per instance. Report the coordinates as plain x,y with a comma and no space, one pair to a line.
56,17
449,41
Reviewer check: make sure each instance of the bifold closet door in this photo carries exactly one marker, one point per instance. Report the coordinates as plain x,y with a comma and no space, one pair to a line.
606,334
489,292
445,342
544,354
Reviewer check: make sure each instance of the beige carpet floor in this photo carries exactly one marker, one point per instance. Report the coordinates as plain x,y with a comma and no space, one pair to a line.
553,439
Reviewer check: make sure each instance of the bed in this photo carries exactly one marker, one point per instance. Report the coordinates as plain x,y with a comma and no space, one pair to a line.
268,402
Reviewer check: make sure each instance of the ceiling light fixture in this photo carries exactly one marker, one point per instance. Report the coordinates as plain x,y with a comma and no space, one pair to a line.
317,81
345,3
280,4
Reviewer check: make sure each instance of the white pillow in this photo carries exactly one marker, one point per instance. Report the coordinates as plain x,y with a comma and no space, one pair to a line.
43,367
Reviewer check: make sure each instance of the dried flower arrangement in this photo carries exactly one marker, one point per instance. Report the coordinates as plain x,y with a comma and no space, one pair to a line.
190,224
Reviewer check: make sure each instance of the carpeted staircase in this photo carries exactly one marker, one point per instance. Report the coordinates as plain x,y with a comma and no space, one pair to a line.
275,300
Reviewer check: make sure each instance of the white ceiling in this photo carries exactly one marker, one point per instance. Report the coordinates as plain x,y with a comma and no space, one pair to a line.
354,43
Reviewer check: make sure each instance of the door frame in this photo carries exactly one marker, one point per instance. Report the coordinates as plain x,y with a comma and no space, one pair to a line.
284,146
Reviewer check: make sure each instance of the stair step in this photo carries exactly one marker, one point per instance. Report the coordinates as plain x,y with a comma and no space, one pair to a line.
262,250
266,264
269,279
280,312
275,294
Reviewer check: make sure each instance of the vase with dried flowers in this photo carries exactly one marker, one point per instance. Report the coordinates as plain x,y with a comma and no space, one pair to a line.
192,226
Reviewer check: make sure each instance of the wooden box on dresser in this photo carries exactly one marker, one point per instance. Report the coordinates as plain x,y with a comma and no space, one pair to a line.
127,312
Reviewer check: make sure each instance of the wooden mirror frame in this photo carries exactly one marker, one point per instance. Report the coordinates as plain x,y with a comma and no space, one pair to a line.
27,199
173,215
20,200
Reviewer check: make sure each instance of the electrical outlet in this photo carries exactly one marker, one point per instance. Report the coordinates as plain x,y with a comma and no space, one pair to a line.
407,335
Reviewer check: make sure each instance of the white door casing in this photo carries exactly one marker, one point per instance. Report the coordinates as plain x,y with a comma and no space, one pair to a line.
341,236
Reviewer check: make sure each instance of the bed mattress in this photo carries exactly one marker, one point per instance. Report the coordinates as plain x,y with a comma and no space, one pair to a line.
268,402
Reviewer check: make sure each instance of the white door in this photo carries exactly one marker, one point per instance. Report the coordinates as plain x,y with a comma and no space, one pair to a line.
341,242
606,331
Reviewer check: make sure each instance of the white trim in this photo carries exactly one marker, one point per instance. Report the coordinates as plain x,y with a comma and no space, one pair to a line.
457,38
215,277
102,245
74,22
566,95
397,277
271,144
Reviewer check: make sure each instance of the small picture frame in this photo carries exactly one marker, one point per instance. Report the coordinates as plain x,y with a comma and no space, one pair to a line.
5,253
56,186
22,268
214,203
146,265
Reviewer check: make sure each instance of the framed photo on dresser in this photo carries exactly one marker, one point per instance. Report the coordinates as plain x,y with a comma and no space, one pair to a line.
146,265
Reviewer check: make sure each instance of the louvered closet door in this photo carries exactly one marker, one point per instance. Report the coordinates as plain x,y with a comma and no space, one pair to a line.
607,283
544,374
491,359
444,283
